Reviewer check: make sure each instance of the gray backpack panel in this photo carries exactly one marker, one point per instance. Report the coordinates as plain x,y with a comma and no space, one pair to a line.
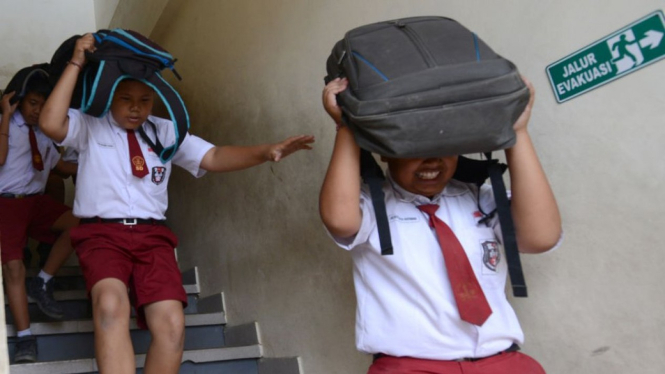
426,87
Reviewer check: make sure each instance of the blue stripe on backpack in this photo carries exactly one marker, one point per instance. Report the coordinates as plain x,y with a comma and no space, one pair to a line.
124,54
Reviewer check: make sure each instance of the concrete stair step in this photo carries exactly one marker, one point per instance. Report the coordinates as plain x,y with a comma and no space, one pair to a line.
81,345
230,360
190,281
79,326
80,309
280,365
205,344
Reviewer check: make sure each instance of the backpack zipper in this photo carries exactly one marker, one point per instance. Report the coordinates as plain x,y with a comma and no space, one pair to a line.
415,39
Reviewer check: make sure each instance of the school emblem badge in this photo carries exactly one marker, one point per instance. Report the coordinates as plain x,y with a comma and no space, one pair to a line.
158,174
138,163
491,255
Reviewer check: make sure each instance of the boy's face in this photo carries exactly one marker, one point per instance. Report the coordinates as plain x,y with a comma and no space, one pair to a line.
132,103
30,107
422,176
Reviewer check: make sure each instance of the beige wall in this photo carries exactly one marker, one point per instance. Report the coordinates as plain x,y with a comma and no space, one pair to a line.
253,73
137,15
104,11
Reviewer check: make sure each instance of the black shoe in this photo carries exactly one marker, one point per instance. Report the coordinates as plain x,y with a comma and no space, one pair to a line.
44,297
26,349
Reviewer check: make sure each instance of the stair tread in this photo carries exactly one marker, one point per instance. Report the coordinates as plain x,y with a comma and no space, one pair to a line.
190,289
82,326
88,364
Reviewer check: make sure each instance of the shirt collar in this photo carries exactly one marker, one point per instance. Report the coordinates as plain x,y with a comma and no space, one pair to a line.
18,118
453,188
114,125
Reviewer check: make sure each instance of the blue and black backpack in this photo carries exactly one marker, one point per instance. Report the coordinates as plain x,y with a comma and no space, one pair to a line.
124,54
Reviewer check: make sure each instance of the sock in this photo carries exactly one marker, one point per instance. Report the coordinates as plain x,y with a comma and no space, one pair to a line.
23,333
45,276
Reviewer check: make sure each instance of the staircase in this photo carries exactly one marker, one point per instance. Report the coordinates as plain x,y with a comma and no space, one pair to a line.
211,346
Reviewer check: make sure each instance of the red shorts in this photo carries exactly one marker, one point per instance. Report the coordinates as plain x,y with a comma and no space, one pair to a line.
31,216
502,363
141,256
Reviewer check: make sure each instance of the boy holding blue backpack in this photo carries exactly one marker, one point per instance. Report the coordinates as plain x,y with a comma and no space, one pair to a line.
421,311
121,197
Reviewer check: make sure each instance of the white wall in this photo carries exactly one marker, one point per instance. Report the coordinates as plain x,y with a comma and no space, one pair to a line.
33,29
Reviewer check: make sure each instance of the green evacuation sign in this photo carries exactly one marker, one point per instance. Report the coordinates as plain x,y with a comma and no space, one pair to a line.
631,48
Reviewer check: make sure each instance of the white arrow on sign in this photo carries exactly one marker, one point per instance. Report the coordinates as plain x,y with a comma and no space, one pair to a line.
652,38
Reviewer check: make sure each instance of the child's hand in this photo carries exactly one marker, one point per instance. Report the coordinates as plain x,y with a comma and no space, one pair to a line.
295,143
330,92
5,107
523,120
84,43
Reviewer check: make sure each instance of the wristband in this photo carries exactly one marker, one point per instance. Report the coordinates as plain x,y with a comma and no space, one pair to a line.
75,64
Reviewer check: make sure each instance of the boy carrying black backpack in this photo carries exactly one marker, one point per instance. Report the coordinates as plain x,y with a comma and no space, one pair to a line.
436,304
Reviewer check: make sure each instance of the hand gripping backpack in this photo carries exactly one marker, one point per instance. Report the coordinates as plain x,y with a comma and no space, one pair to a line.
428,87
124,54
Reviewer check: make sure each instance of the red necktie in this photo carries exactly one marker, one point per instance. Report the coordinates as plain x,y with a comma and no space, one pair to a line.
37,162
139,168
471,302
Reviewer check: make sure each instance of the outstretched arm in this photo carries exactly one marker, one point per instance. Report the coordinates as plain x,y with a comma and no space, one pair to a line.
53,119
339,201
7,112
231,158
534,208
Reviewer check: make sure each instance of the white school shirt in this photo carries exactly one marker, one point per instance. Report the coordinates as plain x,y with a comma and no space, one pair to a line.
405,306
105,185
17,175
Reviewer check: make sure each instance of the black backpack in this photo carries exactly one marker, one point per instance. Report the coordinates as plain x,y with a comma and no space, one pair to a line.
124,54
21,80
428,87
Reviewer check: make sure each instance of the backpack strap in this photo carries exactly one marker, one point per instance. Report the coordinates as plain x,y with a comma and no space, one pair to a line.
153,144
373,175
507,229
177,111
99,83
476,172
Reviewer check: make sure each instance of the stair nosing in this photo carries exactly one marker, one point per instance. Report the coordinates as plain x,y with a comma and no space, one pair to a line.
86,325
70,295
86,365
